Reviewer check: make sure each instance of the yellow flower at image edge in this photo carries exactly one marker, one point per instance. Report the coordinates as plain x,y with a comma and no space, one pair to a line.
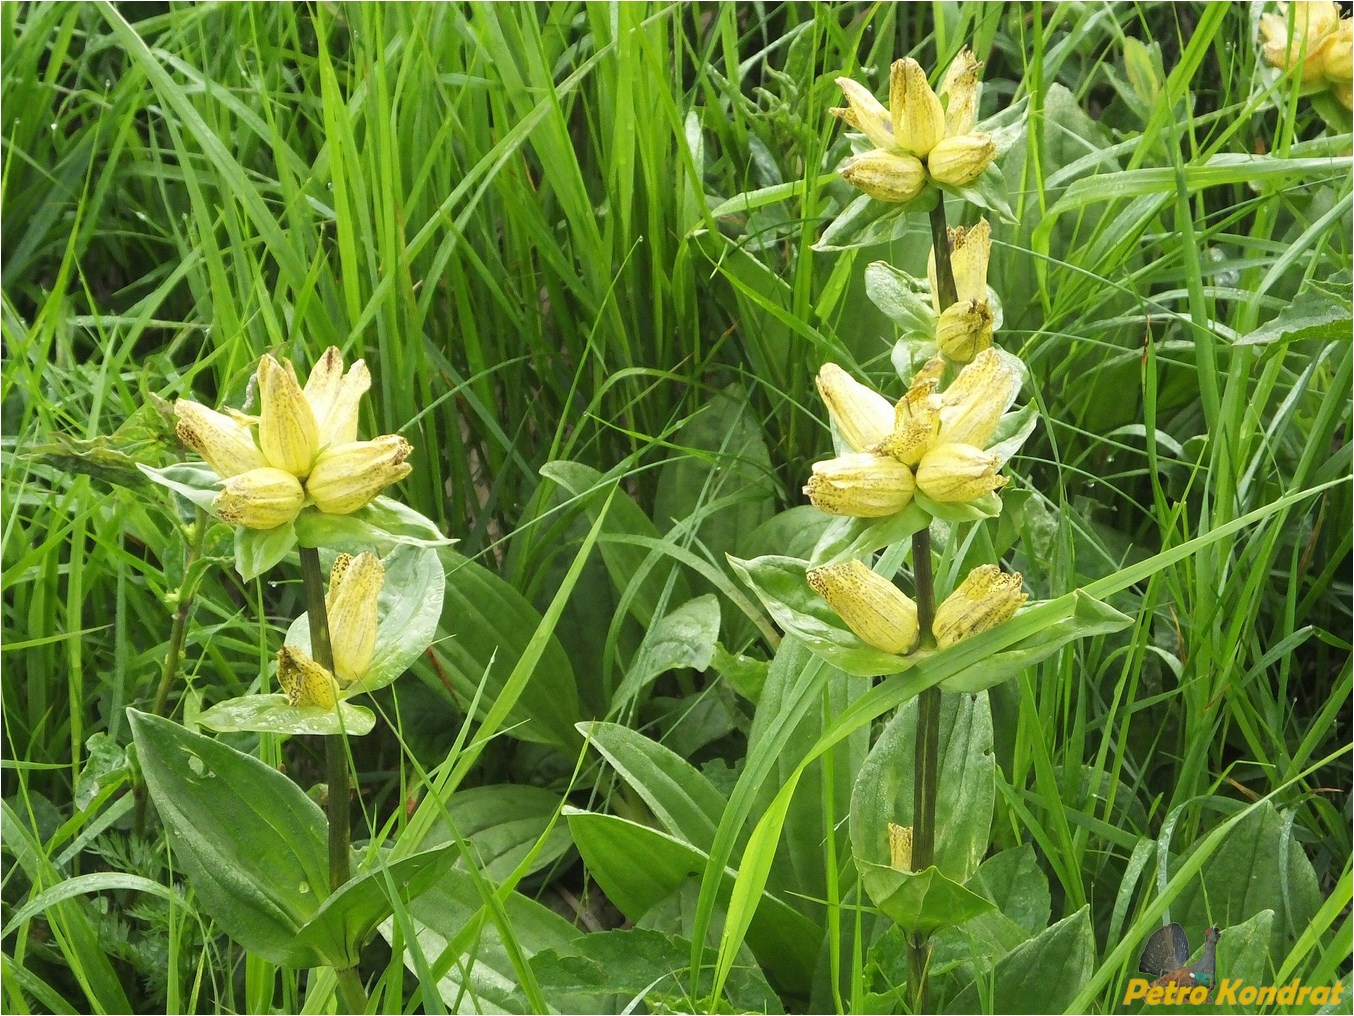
351,603
872,606
985,599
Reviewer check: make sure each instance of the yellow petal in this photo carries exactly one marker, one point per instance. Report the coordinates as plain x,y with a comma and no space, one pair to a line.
227,445
865,113
288,433
263,498
885,176
961,160
354,588
862,484
972,406
916,421
334,396
872,606
900,847
862,416
970,250
1337,55
304,681
958,473
985,599
347,477
918,119
960,91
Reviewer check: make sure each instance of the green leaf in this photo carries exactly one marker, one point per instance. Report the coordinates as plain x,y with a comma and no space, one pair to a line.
676,792
252,844
1259,866
641,963
258,550
964,793
490,626
744,674
637,867
920,902
1042,975
381,526
477,973
273,714
903,298
682,638
194,481
852,537
627,563
501,823
866,222
1013,880
1312,314
407,613
348,917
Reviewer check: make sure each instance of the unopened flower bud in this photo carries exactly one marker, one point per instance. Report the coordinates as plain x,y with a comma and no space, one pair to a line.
970,251
961,160
263,498
347,477
985,599
862,484
872,606
354,588
885,176
304,681
958,473
964,330
288,433
918,118
865,113
863,416
226,444
960,91
972,406
900,847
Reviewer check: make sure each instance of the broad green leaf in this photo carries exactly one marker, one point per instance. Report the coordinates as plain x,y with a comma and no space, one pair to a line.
194,481
964,794
348,917
866,222
407,612
252,844
501,823
273,714
381,526
1313,314
905,299
641,963
745,674
479,976
637,867
682,638
676,792
852,537
1014,881
793,533
625,562
920,902
259,550
1042,975
489,626
1259,866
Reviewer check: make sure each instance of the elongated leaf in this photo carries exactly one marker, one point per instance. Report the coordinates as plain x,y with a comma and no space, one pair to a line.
682,638
273,714
637,867
490,626
921,902
251,842
1042,975
675,791
501,823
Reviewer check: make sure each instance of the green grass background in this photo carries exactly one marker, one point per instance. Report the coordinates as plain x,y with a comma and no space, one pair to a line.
566,232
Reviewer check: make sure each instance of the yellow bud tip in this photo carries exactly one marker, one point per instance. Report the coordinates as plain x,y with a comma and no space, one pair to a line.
862,416
958,473
288,433
985,599
351,603
263,498
918,118
349,476
900,847
224,442
886,176
958,161
861,484
304,681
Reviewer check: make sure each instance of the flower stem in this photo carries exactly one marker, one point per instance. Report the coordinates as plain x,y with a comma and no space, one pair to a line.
174,651
335,753
927,757
350,989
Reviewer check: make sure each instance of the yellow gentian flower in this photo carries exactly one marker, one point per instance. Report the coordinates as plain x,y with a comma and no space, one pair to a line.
985,599
872,606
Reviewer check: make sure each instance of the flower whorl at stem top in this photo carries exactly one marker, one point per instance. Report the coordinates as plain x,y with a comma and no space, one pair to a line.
1310,35
302,444
920,136
930,442
350,602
